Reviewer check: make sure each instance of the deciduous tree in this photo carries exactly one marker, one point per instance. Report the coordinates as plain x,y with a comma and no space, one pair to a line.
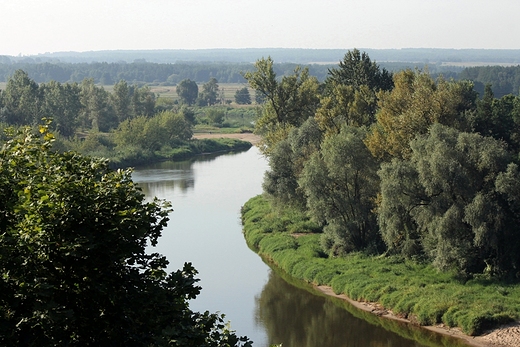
74,259
188,91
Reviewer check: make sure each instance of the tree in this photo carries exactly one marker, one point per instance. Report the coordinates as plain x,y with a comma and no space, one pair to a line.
62,104
98,112
287,161
188,91
341,185
21,100
74,265
412,106
242,96
121,100
142,102
455,199
356,70
345,105
209,94
215,116
177,126
288,102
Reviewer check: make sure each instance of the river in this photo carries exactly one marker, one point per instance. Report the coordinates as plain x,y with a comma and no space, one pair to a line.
204,229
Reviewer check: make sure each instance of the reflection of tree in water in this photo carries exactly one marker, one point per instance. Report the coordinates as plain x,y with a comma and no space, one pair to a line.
159,178
297,318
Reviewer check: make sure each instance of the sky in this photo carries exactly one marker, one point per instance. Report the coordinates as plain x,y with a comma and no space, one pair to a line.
30,27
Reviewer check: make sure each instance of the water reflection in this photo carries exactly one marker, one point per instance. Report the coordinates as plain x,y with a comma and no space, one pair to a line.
158,178
297,318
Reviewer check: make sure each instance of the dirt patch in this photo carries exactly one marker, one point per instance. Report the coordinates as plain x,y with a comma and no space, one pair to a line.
249,137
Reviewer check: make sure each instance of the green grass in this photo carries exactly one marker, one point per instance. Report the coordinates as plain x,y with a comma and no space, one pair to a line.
100,145
410,289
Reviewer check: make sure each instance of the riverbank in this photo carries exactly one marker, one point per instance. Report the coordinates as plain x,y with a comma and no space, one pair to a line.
388,287
248,137
504,336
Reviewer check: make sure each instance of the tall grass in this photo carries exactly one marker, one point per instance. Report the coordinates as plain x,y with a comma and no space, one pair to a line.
409,289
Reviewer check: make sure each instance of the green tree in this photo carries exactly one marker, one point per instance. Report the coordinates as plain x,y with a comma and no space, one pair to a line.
286,163
188,91
341,185
345,105
215,115
142,101
121,100
242,96
62,103
176,125
75,270
455,199
356,70
21,100
288,102
98,112
209,94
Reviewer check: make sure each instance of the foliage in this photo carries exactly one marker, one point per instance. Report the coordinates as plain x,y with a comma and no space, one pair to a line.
215,116
340,183
209,94
188,91
286,163
411,289
62,104
451,198
356,70
75,270
242,96
288,102
498,118
412,106
97,112
20,100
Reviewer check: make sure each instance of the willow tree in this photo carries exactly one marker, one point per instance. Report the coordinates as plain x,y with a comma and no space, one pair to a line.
341,183
453,201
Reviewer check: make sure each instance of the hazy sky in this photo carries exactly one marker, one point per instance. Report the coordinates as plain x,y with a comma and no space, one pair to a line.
39,26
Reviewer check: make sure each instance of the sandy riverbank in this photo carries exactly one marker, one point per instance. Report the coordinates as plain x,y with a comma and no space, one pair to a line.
249,137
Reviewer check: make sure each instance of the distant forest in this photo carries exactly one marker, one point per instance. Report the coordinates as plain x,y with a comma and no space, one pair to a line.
500,68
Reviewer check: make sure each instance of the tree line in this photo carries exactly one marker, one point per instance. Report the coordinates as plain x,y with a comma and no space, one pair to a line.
504,80
396,163
140,72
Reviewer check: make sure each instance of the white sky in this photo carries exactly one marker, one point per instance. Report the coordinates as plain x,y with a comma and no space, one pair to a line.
39,26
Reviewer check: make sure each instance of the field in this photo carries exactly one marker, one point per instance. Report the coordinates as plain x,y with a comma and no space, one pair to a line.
168,92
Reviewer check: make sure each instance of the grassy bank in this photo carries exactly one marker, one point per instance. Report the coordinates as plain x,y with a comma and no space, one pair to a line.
100,145
411,290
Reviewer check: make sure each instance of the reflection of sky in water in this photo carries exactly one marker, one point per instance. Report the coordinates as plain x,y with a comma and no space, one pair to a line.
204,228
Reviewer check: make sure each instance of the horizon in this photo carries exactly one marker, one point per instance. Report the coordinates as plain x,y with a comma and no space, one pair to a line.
53,26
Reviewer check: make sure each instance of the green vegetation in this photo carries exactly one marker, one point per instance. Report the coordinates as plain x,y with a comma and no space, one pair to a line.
74,261
411,181
125,123
411,289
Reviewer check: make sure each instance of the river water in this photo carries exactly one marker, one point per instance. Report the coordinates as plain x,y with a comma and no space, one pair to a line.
204,229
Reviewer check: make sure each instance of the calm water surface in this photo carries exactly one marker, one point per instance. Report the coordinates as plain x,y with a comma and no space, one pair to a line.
205,229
